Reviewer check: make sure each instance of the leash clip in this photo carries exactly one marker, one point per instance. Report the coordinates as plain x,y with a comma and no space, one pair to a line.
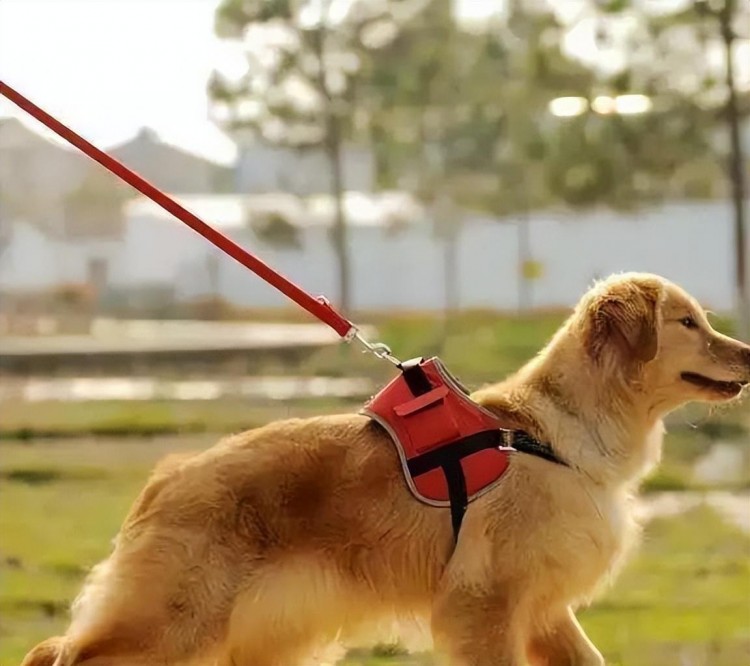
378,349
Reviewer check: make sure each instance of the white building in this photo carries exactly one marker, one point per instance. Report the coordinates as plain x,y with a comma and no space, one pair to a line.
397,259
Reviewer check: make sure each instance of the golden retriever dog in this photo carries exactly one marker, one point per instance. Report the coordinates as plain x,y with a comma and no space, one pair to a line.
275,540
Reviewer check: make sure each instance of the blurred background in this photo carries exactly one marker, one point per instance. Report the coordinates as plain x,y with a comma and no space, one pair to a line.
453,174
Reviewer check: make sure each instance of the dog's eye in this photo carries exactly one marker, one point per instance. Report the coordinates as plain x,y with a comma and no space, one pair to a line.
688,322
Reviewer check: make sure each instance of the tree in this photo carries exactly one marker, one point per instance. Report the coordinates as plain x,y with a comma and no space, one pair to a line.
304,64
727,16
469,115
469,101
668,59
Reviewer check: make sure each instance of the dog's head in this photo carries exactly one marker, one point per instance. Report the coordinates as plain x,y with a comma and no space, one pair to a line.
658,340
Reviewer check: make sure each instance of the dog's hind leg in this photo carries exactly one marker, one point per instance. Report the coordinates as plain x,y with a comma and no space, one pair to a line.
146,604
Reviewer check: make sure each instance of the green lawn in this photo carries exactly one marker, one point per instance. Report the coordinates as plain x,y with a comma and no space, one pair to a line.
685,599
27,421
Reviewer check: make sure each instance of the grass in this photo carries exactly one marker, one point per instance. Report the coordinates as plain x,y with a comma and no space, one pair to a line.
684,600
53,531
477,346
29,421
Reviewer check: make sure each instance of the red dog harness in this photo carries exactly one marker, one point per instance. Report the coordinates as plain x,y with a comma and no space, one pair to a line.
452,450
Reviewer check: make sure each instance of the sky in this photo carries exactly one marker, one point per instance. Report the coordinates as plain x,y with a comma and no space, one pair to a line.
109,67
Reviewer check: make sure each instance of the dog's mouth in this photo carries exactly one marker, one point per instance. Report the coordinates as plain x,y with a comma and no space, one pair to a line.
728,389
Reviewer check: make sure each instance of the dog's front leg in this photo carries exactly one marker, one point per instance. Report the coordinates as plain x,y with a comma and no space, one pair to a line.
564,643
476,628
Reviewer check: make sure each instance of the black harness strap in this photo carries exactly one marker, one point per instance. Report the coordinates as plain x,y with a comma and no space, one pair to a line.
525,443
454,476
448,458
415,377
487,439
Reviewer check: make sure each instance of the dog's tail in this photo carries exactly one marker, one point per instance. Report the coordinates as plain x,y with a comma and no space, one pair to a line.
54,651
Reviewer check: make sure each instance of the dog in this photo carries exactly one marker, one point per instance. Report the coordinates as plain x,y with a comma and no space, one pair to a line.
274,540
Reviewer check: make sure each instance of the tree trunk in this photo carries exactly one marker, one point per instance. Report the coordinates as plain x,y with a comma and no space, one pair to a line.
339,234
332,146
736,177
446,221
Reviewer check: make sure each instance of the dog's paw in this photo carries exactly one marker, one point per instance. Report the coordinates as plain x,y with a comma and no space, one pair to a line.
592,659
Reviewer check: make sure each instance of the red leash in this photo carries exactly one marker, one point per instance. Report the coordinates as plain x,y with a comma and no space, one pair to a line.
319,307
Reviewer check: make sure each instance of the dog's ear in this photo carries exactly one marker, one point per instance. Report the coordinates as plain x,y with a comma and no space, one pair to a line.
624,319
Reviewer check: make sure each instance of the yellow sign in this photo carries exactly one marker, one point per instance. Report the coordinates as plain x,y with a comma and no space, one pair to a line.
532,270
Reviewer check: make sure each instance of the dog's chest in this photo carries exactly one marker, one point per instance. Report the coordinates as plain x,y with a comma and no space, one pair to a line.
612,535
618,513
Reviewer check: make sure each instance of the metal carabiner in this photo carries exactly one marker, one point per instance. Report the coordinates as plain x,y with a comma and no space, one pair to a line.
378,349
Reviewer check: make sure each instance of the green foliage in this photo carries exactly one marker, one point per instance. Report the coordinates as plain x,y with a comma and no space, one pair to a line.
499,148
301,88
466,112
469,112
389,650
277,231
233,15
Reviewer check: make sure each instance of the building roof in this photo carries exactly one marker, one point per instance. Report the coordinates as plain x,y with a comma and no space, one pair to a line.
147,136
235,211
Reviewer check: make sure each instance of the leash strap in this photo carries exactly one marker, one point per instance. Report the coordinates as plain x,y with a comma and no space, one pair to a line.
318,307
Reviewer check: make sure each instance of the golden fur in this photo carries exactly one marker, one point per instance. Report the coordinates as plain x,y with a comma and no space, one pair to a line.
275,540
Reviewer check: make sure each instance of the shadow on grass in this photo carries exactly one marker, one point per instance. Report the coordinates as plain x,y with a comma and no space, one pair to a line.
38,476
